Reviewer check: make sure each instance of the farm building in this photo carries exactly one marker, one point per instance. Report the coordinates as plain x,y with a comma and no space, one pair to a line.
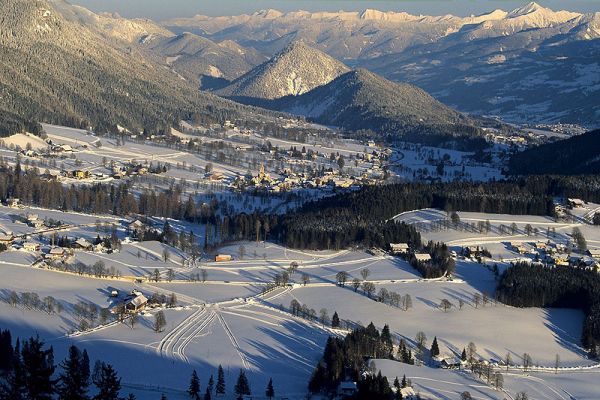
423,257
137,304
399,248
83,244
57,252
31,246
6,238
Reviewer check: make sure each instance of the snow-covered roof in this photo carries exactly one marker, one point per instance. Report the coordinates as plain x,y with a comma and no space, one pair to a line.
137,223
423,257
138,300
83,242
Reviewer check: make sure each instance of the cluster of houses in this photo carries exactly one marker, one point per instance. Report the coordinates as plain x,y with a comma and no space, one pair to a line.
514,140
556,254
288,180
50,251
403,250
117,172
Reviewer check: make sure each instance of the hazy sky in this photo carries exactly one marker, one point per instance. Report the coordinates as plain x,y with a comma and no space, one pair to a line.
162,9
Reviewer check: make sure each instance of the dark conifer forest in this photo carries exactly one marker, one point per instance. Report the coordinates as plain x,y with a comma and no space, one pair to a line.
576,155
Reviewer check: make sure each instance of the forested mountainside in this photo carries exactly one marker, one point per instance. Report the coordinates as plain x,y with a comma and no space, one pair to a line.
576,155
59,70
362,100
197,58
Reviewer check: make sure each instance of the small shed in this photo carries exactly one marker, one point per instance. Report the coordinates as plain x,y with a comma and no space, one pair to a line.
223,257
136,225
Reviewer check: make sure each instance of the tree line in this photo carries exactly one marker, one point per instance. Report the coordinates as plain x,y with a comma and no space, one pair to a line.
28,371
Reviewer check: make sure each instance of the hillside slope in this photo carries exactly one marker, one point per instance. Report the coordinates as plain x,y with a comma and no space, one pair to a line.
363,100
576,155
60,69
297,69
193,56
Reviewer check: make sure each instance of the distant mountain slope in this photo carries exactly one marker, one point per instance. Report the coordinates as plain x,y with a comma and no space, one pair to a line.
194,56
363,100
576,155
297,69
531,64
58,64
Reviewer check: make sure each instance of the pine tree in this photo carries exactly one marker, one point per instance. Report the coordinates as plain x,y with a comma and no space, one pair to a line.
211,384
6,350
404,384
220,389
463,355
386,338
335,320
270,392
207,394
108,383
14,386
242,387
194,389
74,379
435,350
38,369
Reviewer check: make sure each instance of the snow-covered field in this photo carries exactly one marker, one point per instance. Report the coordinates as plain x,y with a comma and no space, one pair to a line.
227,321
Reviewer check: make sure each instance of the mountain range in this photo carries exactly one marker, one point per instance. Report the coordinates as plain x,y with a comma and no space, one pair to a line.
65,64
531,64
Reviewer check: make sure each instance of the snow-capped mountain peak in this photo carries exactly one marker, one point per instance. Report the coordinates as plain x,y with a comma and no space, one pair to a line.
528,9
535,15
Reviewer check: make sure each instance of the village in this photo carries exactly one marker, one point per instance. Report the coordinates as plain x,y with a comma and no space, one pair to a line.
239,295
